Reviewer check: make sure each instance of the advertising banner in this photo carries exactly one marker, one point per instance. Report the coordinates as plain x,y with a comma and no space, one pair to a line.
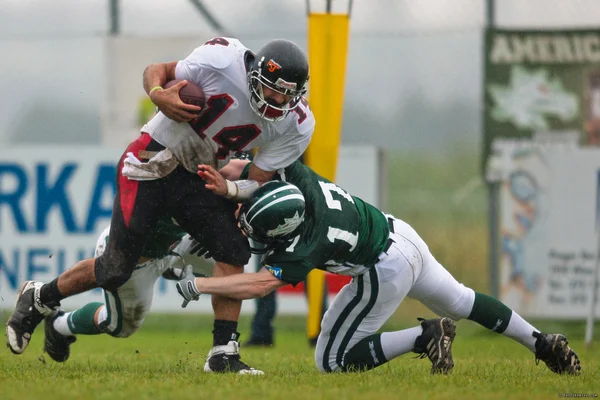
548,229
542,84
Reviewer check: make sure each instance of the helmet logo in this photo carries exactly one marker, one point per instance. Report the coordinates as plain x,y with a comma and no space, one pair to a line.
289,225
273,66
285,84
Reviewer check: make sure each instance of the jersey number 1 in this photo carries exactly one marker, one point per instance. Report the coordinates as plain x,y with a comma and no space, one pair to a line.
334,234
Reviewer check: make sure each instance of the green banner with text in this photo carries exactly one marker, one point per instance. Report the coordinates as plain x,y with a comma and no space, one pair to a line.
542,85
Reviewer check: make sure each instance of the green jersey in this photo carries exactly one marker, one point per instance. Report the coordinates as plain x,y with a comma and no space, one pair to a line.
341,233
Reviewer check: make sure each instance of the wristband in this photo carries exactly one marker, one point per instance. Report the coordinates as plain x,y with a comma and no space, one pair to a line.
153,89
232,189
240,190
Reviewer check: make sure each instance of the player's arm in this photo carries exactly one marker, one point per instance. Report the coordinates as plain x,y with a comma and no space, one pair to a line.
233,170
238,286
167,100
238,190
259,175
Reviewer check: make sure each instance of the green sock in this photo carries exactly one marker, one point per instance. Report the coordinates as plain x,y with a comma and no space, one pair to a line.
365,355
490,312
80,321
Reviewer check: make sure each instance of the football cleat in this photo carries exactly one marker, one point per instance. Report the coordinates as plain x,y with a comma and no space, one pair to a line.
56,345
436,343
554,350
28,314
226,359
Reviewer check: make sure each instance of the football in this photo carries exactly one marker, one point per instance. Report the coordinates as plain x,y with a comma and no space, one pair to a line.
190,93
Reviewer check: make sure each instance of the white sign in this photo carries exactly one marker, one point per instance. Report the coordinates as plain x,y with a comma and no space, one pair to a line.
547,224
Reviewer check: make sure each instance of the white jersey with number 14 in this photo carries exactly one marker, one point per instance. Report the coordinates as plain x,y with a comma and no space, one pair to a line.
227,123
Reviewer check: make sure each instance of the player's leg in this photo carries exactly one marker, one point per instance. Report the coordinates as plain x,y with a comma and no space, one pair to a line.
121,315
126,308
436,288
134,210
312,341
61,328
348,339
210,219
262,332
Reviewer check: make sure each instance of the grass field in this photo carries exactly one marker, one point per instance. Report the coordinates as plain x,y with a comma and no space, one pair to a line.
164,360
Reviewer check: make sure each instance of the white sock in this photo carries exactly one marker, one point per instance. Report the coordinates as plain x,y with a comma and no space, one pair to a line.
521,331
396,343
61,324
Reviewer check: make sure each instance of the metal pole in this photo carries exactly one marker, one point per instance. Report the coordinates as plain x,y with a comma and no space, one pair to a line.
490,11
115,26
589,327
328,7
212,21
493,196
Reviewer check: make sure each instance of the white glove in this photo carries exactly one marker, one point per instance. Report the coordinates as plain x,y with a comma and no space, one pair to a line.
187,287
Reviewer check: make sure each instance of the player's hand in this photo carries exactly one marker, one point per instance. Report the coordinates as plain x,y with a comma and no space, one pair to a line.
187,287
199,249
214,180
168,101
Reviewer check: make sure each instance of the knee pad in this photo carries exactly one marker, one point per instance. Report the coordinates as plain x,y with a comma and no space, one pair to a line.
462,306
111,270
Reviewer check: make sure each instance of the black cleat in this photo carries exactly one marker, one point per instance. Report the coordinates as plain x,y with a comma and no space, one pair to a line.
436,343
28,314
226,359
56,345
554,350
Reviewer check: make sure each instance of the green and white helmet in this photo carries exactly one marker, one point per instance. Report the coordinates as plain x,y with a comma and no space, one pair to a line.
273,213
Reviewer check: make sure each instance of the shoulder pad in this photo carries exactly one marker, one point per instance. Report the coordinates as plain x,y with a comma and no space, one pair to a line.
220,52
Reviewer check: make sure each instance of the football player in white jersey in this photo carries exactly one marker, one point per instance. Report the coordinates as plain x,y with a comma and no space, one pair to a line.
252,100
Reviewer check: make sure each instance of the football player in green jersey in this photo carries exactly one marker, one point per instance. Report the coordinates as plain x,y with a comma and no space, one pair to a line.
166,252
309,222
167,249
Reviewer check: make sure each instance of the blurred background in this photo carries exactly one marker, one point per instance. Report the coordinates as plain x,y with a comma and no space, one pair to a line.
414,89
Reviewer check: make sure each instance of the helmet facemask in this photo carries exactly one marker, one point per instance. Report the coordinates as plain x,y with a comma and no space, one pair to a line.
263,107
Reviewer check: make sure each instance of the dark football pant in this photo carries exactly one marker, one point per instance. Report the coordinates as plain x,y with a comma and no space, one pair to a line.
181,195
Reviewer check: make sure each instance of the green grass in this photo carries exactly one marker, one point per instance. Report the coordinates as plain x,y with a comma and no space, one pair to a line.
164,360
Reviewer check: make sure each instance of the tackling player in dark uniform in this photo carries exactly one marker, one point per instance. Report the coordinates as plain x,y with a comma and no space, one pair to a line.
309,222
